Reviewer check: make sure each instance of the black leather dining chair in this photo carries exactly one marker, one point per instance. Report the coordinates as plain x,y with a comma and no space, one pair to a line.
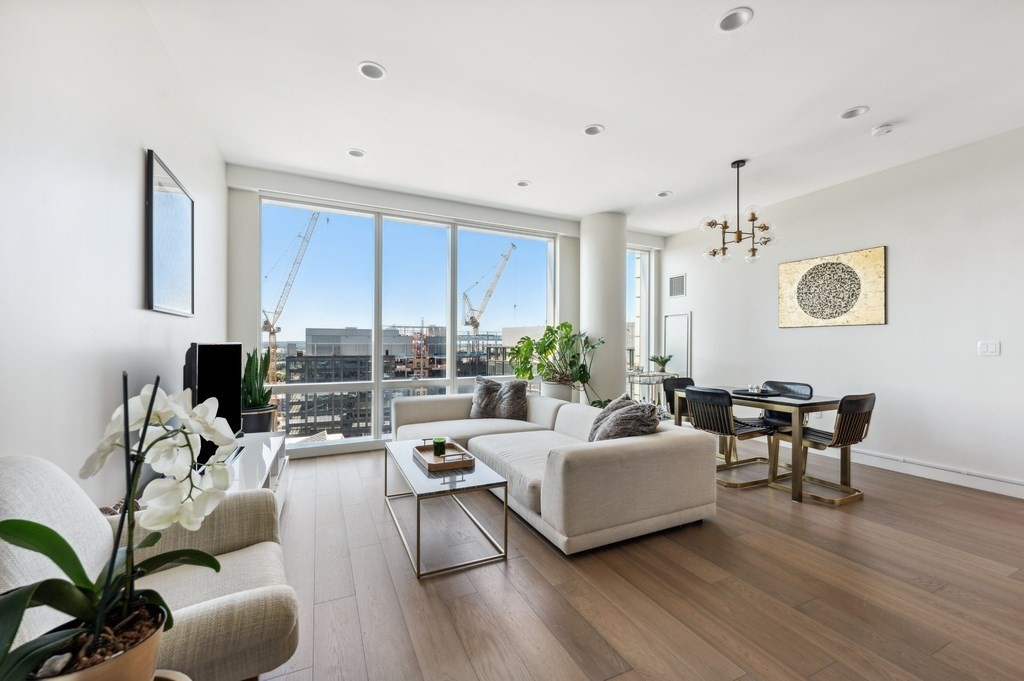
779,419
853,418
673,386
711,411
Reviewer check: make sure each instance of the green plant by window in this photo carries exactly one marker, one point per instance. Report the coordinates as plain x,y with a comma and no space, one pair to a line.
660,360
255,393
561,355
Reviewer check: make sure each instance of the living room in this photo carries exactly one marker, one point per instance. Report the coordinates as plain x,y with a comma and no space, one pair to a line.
373,175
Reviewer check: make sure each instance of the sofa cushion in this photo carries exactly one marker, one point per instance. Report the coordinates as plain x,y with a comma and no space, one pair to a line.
499,400
462,430
253,567
520,458
543,410
634,420
575,420
620,402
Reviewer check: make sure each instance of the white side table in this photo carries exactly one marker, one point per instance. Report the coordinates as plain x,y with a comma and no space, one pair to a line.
262,464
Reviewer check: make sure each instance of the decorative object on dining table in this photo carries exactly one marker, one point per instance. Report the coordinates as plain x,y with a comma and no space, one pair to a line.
114,628
170,254
661,361
762,234
453,455
845,289
756,391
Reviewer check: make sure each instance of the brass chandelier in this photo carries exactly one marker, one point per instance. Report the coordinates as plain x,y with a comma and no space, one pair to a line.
762,234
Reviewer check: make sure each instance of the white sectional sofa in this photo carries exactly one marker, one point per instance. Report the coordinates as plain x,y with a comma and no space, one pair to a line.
578,494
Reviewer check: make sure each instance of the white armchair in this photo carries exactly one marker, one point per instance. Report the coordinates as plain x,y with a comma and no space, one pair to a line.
228,626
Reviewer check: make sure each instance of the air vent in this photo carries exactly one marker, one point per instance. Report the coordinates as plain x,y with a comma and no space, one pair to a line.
677,286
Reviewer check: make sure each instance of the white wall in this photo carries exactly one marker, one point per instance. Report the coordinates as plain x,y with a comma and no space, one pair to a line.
87,88
952,224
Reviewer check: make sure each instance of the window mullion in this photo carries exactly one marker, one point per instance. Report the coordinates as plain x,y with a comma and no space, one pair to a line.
452,355
377,346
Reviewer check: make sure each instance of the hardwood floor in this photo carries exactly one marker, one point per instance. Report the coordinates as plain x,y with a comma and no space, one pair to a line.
921,580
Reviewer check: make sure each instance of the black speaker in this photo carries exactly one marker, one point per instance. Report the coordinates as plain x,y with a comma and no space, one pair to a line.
215,370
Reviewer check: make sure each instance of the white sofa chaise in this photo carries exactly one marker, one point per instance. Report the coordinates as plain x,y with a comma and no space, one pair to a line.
578,494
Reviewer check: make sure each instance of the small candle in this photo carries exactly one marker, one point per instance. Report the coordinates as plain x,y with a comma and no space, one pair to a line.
439,445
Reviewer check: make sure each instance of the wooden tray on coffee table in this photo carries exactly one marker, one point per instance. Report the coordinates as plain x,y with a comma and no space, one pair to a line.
455,456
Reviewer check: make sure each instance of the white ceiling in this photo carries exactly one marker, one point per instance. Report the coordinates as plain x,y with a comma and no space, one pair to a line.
482,94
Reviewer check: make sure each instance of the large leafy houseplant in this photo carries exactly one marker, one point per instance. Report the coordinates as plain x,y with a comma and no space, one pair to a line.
561,355
108,613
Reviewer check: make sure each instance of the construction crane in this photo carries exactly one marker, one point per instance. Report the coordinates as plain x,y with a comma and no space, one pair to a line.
270,319
472,315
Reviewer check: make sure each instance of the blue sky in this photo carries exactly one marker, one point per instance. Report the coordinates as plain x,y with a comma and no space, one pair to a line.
334,285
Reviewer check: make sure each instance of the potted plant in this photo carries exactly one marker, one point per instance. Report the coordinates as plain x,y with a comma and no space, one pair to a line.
115,627
660,360
257,411
561,357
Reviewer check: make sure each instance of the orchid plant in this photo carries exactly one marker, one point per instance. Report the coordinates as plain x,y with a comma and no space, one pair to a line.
164,431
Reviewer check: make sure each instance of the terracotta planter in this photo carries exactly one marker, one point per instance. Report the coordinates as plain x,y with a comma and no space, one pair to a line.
259,420
559,391
138,664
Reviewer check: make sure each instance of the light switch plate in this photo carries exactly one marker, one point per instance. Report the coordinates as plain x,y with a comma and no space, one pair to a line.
988,348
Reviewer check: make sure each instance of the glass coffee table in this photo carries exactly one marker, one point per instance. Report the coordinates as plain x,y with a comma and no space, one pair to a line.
431,485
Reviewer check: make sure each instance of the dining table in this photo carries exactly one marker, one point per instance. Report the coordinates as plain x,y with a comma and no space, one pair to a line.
796,407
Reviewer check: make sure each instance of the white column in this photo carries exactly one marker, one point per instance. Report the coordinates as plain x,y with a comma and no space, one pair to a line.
602,298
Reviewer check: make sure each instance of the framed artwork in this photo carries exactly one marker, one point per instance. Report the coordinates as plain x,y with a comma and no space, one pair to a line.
846,289
676,342
170,248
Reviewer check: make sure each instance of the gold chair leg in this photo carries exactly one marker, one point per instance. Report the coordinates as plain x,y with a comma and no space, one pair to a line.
850,494
732,460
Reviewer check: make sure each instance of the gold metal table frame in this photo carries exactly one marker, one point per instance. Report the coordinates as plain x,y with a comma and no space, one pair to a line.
417,563
796,408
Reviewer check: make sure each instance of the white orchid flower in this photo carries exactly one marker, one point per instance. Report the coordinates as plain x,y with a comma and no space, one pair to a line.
216,478
203,420
111,442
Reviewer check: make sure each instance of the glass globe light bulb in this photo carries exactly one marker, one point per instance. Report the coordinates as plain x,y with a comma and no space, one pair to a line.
750,212
724,217
753,256
723,257
705,224
709,256
769,238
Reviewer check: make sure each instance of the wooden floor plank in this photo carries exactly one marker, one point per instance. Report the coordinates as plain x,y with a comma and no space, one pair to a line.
491,653
332,567
539,649
439,651
338,645
386,644
591,652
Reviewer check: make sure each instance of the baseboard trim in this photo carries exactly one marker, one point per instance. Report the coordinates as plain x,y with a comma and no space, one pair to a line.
933,471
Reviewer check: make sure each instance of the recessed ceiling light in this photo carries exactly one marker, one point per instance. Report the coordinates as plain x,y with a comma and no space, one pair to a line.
855,111
595,129
372,70
735,18
356,153
662,195
523,183
881,130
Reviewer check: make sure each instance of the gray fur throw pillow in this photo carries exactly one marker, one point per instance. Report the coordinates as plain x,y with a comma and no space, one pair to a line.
631,421
493,400
620,402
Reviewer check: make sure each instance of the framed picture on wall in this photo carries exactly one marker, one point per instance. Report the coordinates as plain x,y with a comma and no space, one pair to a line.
677,342
170,247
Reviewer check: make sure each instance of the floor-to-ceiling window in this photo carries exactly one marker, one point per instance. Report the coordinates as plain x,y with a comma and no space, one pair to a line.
360,307
638,314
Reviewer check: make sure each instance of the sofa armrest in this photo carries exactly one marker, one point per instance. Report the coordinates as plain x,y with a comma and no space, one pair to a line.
597,485
241,520
427,408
